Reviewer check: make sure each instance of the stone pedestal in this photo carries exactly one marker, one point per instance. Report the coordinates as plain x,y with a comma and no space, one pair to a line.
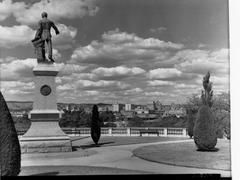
45,135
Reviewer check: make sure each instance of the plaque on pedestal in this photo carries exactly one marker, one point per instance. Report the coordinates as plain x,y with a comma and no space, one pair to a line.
44,134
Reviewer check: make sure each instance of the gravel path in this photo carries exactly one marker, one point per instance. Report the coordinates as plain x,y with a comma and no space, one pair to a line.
120,157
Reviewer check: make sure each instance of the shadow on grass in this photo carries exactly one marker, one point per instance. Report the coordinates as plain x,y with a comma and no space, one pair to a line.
208,150
79,138
54,173
74,148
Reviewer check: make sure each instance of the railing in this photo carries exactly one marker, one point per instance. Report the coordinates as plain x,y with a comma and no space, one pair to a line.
124,131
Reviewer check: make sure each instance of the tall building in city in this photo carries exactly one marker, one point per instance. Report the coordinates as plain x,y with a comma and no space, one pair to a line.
116,107
128,107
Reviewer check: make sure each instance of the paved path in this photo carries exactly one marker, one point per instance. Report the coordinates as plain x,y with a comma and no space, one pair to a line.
116,157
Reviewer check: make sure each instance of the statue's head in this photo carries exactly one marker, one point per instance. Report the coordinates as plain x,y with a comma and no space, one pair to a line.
44,15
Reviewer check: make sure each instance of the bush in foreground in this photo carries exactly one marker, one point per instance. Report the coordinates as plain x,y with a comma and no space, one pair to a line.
204,129
10,152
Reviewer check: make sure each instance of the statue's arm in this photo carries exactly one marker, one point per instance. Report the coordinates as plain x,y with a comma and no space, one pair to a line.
55,28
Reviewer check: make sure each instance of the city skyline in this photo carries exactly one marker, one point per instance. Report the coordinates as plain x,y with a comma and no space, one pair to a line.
133,51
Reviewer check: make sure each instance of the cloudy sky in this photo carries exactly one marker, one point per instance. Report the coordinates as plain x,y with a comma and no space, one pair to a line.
130,51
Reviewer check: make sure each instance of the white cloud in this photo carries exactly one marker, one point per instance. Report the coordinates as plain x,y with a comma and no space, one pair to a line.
158,30
7,8
121,47
100,84
92,93
18,88
187,86
30,13
68,69
17,69
15,36
133,91
200,61
21,35
56,54
67,34
160,83
156,93
65,87
118,71
163,73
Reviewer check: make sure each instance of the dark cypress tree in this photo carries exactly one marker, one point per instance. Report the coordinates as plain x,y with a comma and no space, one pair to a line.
95,125
10,152
204,131
190,122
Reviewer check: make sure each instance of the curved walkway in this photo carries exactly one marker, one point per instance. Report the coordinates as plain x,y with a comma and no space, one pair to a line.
117,157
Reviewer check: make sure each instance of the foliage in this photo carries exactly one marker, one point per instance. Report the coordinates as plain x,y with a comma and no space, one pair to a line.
95,125
207,93
10,152
107,116
22,123
220,109
76,118
204,131
135,122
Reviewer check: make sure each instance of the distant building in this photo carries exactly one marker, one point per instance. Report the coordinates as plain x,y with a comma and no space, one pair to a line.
175,110
117,107
140,110
128,107
128,114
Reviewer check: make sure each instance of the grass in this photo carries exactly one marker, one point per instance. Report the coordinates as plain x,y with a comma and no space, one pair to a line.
186,154
122,140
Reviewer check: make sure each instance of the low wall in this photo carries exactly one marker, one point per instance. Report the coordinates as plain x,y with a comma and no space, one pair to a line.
127,131
124,131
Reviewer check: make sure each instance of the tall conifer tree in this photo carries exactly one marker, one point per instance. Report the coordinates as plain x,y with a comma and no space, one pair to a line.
10,152
95,125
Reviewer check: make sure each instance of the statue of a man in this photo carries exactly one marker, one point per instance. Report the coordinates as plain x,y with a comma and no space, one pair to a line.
42,36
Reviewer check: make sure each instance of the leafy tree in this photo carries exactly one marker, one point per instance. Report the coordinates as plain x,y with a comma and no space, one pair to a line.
76,118
107,116
220,109
22,123
95,125
135,122
10,152
204,131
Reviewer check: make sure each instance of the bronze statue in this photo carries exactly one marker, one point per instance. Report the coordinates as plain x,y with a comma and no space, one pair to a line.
42,36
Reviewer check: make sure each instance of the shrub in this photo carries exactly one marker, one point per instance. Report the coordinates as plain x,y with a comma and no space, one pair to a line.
95,125
204,129
10,152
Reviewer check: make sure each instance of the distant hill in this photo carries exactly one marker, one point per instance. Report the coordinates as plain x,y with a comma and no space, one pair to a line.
19,106
28,105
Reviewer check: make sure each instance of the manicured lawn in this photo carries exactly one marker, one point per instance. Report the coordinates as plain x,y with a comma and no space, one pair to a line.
122,140
185,154
74,170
